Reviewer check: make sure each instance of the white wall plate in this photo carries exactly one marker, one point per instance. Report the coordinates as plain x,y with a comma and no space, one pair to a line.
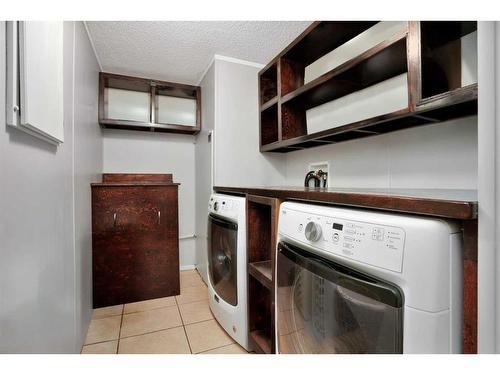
324,166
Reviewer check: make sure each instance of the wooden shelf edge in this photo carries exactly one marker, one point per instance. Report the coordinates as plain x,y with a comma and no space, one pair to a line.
457,96
424,112
355,126
255,269
147,126
270,146
262,343
269,104
344,67
148,82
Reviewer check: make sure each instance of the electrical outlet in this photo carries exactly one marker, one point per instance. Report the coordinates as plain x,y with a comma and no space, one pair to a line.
324,166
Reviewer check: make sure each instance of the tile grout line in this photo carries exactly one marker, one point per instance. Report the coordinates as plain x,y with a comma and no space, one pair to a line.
142,311
120,331
184,327
223,346
200,321
104,317
159,330
100,342
147,333
187,303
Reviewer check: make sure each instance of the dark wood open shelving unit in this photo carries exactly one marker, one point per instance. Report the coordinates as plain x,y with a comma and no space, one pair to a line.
262,219
428,51
155,89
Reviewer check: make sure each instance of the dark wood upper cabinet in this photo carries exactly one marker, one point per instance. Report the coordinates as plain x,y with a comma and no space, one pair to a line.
135,103
429,68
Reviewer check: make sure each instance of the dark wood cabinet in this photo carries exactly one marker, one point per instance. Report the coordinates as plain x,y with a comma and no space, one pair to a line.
135,238
148,99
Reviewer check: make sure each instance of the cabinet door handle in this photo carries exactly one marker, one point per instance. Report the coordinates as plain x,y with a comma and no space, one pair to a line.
114,219
159,217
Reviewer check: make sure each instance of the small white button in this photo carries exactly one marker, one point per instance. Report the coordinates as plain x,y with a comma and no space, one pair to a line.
301,227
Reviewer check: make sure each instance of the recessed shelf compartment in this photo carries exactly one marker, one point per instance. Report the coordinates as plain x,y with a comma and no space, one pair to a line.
384,61
317,40
269,125
381,63
268,83
448,56
134,103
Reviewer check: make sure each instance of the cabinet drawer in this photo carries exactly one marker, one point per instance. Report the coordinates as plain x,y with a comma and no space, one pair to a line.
132,209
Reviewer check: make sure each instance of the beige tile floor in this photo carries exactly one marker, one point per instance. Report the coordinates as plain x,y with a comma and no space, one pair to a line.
182,324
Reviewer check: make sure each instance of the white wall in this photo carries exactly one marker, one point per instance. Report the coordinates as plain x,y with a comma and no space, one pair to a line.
442,155
203,160
41,259
87,169
229,108
238,161
489,188
142,152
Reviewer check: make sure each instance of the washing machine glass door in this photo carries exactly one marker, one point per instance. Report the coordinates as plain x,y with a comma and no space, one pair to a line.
222,257
324,307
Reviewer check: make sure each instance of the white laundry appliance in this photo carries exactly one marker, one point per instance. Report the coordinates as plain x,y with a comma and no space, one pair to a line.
227,258
360,281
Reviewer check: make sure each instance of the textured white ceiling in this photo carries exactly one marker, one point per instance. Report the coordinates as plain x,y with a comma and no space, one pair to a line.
180,51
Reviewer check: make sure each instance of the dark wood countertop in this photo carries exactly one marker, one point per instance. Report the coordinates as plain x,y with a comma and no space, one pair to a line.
448,203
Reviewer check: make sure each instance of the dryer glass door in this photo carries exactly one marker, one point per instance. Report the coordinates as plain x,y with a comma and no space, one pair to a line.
324,307
222,257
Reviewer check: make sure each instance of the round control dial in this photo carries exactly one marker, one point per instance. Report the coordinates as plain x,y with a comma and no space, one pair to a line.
313,231
216,206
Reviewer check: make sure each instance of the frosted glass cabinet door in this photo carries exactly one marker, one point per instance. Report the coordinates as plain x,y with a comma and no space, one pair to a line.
176,111
127,105
41,78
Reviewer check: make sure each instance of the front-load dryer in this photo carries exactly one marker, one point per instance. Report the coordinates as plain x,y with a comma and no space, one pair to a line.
360,281
227,256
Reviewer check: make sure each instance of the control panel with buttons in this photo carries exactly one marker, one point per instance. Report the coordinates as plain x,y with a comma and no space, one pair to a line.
371,243
224,205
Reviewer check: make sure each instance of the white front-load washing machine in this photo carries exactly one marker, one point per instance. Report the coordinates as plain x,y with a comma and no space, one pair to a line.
360,281
227,257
